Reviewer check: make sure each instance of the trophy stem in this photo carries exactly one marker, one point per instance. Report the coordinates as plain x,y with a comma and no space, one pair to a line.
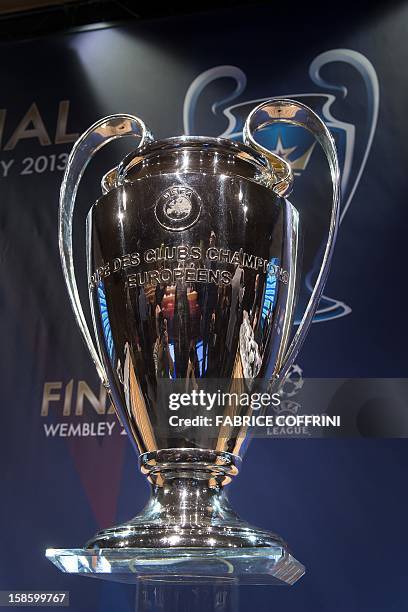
188,506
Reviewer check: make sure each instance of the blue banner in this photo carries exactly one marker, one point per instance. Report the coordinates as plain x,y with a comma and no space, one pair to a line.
67,469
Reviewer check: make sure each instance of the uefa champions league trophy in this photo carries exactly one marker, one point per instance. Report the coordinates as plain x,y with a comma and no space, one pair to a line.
193,271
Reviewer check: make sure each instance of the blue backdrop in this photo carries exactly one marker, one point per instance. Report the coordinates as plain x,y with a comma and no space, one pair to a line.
341,504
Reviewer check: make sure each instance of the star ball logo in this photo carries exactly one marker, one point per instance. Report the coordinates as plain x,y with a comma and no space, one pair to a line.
332,100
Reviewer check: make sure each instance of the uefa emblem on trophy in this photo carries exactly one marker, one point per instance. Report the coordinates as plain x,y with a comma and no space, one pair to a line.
193,270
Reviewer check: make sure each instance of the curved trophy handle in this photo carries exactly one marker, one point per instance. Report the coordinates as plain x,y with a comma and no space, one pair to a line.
97,136
295,113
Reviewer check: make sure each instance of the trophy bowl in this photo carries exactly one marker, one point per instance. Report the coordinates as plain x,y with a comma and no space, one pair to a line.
193,270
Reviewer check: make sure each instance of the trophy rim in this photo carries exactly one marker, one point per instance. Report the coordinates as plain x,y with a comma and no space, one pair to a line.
197,141
118,175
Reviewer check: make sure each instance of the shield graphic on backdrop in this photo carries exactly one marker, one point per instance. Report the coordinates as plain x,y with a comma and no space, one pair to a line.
353,141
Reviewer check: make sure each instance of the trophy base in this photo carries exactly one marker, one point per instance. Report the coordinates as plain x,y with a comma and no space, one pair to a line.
188,530
271,565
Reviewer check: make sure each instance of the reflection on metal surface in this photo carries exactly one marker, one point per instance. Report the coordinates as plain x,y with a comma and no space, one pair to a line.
193,266
184,304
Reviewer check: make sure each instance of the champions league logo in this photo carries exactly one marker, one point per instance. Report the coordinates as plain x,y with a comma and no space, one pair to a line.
353,140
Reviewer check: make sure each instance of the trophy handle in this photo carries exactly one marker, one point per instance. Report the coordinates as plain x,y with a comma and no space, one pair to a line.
295,113
97,136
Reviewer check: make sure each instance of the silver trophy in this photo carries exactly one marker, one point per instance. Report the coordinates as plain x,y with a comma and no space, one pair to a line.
193,271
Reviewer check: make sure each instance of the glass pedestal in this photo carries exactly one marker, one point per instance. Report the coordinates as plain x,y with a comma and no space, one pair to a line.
271,565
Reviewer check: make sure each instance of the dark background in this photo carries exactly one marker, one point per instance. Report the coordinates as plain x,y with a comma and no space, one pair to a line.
341,504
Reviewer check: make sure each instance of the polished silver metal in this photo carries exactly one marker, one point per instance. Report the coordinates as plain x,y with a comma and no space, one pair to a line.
97,136
193,271
298,114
